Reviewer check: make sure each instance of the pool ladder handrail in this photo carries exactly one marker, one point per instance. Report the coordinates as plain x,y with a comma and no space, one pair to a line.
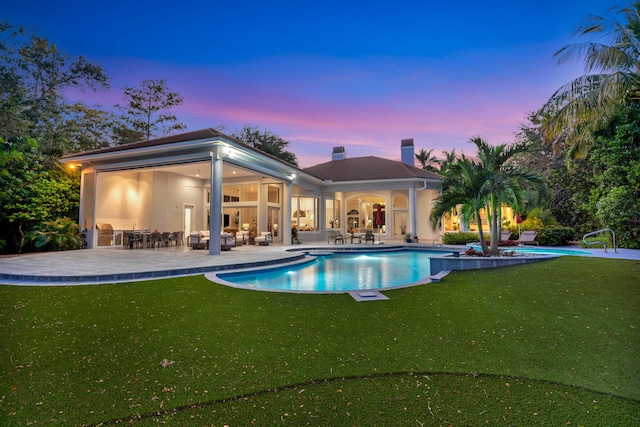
593,233
441,237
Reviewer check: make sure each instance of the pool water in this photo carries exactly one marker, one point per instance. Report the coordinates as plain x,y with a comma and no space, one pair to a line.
341,273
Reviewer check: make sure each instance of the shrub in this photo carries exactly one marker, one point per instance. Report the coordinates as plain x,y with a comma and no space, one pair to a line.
473,252
59,235
618,210
461,238
555,235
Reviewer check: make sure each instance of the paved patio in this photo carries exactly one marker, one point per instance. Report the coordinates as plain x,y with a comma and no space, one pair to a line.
113,265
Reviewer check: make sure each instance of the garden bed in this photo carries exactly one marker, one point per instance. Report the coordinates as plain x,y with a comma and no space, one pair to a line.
452,262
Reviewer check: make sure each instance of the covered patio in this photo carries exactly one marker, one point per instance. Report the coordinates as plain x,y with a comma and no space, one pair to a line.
196,181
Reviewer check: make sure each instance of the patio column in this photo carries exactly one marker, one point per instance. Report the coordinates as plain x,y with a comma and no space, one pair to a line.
215,201
322,212
413,222
286,213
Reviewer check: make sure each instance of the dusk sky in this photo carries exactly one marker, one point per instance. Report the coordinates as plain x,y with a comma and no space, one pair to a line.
359,74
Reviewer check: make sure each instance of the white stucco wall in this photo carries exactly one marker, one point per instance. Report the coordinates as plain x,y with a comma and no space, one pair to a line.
424,206
149,200
118,199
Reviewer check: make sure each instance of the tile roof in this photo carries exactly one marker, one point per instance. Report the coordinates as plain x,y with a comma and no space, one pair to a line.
367,169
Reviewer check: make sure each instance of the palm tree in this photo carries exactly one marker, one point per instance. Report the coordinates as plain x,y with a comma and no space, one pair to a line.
465,185
489,183
448,160
612,81
507,185
427,160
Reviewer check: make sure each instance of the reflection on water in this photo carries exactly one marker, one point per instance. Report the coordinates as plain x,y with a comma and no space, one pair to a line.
343,272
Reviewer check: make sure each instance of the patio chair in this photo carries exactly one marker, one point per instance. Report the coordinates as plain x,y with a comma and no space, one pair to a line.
178,237
369,237
134,239
264,239
505,235
527,238
153,238
165,238
336,236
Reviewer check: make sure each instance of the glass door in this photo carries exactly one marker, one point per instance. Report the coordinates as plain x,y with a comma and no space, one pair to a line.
273,223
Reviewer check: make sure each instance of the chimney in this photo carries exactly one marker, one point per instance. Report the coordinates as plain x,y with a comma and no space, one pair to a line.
407,153
338,153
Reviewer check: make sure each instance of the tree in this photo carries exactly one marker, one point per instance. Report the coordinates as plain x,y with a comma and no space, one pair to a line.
582,107
31,195
615,194
147,112
33,75
88,128
427,160
267,142
507,184
464,185
448,160
489,183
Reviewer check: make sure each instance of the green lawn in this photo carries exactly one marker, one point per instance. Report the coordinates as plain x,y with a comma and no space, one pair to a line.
551,343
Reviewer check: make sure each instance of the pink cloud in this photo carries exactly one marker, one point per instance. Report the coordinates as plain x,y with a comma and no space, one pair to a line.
368,106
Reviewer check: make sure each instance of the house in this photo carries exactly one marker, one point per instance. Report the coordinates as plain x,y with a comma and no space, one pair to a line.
206,180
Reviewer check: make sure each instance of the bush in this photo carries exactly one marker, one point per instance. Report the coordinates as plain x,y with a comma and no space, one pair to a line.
618,210
59,235
462,238
473,252
555,235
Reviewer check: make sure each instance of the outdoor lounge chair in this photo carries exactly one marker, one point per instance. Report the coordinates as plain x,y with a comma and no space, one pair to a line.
336,236
197,242
264,238
527,238
505,235
227,241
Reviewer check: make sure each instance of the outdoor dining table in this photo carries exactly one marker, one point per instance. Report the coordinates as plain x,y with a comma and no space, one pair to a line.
145,236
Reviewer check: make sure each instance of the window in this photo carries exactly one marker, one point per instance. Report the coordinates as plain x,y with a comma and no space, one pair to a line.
332,213
304,216
273,194
240,193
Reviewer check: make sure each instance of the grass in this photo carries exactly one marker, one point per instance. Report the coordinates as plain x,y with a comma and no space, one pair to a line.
546,344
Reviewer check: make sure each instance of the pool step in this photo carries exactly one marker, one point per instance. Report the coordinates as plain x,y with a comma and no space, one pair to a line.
368,296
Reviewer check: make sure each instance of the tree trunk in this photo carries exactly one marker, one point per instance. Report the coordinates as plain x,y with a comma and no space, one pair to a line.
495,235
483,243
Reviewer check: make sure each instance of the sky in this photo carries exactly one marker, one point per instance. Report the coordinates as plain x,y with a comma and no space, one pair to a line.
322,74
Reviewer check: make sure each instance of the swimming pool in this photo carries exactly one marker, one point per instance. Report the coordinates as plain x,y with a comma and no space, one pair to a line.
339,272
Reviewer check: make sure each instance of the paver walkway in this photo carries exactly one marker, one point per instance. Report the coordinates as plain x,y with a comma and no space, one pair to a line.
112,265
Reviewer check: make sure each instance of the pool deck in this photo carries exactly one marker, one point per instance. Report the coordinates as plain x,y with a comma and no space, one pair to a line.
115,265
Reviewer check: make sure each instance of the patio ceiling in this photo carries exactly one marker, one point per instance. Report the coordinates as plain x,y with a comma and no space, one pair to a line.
202,170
